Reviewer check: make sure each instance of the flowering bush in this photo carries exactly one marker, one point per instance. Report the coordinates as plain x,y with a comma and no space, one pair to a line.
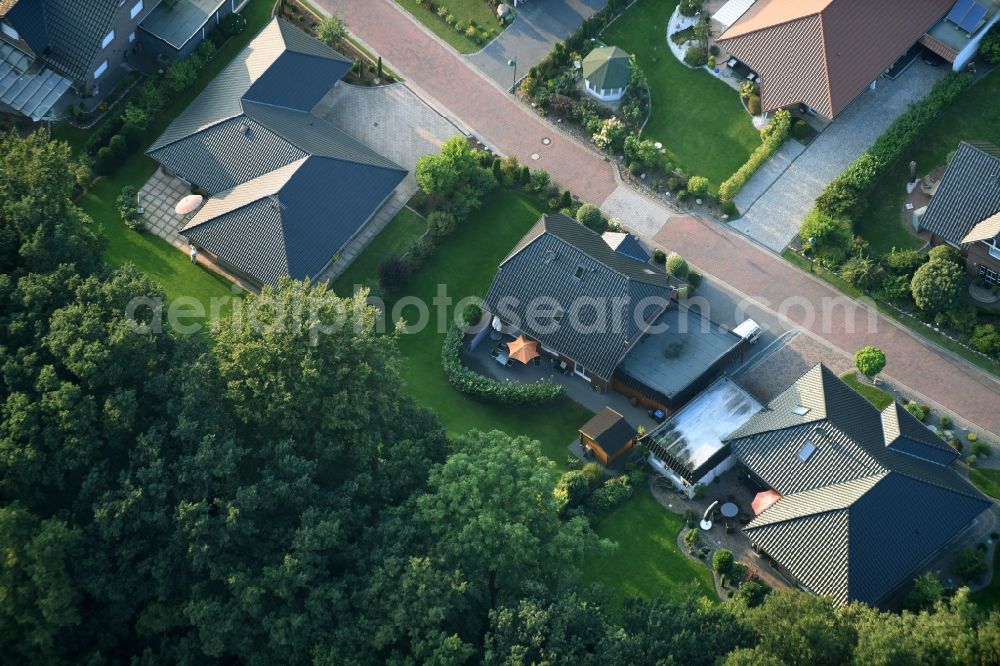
611,135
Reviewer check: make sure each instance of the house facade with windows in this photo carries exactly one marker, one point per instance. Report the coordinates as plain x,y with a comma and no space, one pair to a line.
964,211
867,498
286,188
84,42
824,53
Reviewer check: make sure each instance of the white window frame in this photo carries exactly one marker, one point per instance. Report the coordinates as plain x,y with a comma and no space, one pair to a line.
994,248
581,371
108,38
136,8
103,67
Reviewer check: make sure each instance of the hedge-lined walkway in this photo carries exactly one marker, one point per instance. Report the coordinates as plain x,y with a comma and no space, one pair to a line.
775,216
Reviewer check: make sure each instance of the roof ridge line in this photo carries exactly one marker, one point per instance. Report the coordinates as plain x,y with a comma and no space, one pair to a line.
975,494
151,150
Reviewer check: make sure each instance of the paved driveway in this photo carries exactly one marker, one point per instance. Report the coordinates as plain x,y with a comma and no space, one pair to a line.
538,26
391,120
774,218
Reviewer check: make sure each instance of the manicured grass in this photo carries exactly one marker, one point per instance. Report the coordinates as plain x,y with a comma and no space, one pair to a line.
987,480
464,11
972,118
988,598
874,395
392,241
698,119
647,562
908,321
167,265
464,265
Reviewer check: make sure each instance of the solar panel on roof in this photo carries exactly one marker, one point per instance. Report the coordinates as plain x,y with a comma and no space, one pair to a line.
971,21
960,9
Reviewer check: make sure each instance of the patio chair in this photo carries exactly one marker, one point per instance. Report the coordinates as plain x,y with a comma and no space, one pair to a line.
929,185
563,367
495,352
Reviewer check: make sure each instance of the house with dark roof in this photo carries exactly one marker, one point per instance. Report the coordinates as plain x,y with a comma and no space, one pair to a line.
824,53
606,316
287,188
964,211
867,497
50,46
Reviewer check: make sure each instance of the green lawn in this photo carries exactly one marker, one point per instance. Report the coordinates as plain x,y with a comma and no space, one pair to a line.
465,263
972,118
167,265
698,119
465,11
647,562
876,396
987,480
392,241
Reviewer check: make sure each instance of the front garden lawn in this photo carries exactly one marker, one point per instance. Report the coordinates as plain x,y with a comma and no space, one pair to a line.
972,118
647,562
699,120
465,262
881,399
465,12
167,265
987,480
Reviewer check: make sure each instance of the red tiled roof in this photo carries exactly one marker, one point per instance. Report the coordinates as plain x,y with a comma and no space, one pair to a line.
826,52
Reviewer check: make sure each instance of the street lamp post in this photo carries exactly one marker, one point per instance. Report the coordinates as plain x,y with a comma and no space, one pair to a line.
812,252
513,63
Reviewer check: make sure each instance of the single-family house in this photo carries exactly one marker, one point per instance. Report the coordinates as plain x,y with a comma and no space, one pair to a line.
50,46
868,498
824,53
606,72
964,211
287,189
606,316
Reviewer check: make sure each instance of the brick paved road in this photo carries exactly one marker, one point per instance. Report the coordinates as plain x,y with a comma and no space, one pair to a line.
733,259
463,92
469,95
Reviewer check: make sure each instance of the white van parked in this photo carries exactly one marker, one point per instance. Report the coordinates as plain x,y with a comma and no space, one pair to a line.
748,330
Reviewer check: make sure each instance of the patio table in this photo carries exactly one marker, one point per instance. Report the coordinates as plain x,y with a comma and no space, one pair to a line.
502,359
729,510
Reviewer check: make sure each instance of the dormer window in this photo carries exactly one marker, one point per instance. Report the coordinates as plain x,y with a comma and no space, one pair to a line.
800,410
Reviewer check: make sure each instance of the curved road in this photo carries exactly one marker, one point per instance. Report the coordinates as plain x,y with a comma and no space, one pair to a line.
458,90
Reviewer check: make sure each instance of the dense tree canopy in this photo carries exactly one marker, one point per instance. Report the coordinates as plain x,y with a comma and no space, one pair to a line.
269,494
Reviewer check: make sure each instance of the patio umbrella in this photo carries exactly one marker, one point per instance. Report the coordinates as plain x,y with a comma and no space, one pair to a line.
763,500
523,349
188,204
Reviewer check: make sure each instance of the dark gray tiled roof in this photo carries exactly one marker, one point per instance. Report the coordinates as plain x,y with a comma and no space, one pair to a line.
292,220
627,244
544,265
857,540
874,498
904,433
291,188
75,29
228,153
28,18
968,194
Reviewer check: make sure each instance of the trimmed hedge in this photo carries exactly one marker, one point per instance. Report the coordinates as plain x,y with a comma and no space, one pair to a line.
772,137
485,388
847,193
